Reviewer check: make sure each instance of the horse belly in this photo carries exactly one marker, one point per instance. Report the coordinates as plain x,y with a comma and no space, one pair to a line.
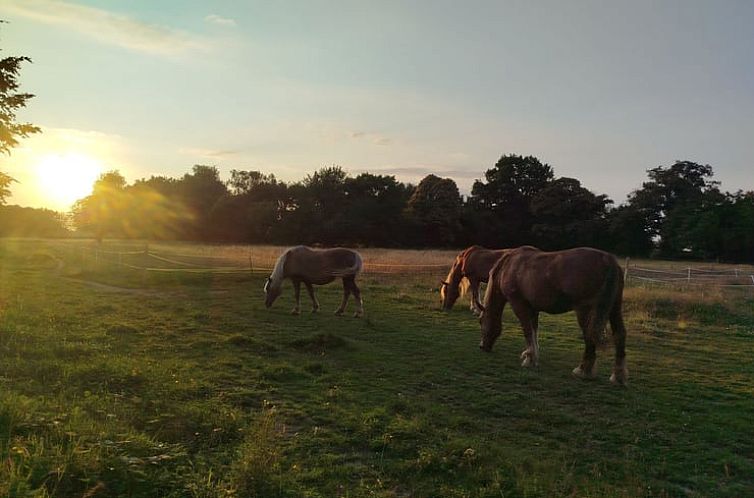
553,304
320,279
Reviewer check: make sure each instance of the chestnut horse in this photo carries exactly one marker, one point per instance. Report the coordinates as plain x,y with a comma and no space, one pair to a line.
319,267
471,267
586,280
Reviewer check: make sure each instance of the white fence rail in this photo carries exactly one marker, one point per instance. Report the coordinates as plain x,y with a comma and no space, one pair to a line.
690,275
151,261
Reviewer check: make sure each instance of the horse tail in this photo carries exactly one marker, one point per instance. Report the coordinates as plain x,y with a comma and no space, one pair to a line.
352,270
610,297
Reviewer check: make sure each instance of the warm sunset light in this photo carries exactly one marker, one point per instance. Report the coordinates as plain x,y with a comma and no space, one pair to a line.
65,178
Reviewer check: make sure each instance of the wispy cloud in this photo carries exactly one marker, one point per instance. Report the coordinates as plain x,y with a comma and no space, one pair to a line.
374,138
109,27
207,153
221,21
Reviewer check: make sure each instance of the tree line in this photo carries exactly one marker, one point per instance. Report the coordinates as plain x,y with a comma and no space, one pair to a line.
678,212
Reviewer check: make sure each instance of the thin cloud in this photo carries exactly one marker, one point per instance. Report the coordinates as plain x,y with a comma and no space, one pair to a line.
221,21
422,171
207,153
109,27
374,138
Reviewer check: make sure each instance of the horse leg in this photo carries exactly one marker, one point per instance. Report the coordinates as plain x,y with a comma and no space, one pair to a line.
357,295
586,370
620,372
315,303
297,293
346,293
475,284
529,322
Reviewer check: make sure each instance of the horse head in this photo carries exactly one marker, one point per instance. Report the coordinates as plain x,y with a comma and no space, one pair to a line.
449,294
270,292
491,329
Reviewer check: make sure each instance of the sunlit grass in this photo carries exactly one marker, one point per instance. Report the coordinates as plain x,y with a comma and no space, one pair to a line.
184,385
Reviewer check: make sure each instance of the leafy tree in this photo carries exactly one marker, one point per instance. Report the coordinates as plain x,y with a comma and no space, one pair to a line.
254,209
19,221
628,233
156,209
501,205
317,207
373,200
671,200
199,191
10,102
568,215
105,210
435,209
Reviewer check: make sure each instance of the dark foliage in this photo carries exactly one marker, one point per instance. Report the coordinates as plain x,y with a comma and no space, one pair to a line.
678,212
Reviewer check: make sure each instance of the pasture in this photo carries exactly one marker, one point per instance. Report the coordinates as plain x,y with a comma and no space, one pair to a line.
122,382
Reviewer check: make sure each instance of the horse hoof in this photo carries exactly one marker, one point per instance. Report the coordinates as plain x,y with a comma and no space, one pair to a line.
338,312
618,378
358,315
579,373
526,363
295,312
315,310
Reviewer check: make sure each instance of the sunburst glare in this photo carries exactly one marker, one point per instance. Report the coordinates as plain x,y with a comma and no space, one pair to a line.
65,178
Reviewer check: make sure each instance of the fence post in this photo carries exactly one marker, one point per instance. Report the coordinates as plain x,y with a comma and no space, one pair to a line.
688,275
625,271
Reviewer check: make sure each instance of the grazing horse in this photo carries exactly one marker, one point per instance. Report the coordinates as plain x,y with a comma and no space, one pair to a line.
471,267
586,280
316,266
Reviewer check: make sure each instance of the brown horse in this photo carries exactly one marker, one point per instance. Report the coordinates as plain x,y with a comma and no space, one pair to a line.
319,267
471,267
586,280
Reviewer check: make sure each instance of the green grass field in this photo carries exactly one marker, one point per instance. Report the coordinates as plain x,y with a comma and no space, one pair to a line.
115,382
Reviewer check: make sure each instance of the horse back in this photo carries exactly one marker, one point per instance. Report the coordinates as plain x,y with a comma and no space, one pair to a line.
478,261
321,266
559,281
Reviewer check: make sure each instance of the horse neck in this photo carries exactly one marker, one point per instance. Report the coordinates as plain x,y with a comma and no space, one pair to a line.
455,275
278,273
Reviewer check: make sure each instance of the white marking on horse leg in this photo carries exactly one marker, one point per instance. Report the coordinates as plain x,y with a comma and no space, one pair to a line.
579,373
620,373
359,309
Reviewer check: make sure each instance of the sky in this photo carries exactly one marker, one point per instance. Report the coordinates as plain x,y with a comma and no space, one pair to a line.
600,90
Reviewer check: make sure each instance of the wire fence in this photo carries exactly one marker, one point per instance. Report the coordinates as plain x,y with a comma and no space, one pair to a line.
718,276
149,260
160,261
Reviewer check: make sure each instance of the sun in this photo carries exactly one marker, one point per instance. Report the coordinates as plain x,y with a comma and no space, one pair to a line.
65,178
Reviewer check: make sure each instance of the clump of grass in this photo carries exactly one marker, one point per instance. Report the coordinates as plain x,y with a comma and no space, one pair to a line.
246,342
257,470
319,343
709,306
121,329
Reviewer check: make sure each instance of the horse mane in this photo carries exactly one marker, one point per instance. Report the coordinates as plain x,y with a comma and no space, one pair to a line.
278,272
455,277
